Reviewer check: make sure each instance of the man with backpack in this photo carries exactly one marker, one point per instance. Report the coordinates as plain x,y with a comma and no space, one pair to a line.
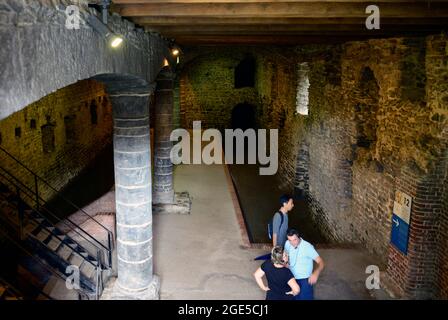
280,221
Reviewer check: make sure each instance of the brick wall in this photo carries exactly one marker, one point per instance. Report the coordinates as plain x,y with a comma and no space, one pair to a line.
207,90
377,111
77,125
442,240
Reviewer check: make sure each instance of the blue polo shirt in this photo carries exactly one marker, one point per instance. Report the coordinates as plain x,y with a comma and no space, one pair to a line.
301,259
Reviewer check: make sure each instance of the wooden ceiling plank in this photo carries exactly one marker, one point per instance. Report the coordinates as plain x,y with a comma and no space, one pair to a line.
198,20
310,10
265,1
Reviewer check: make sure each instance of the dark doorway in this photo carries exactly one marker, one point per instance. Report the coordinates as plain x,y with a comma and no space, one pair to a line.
258,195
243,116
245,73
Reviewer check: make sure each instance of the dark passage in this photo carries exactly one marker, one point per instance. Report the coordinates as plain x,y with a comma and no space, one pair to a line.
95,181
243,116
259,195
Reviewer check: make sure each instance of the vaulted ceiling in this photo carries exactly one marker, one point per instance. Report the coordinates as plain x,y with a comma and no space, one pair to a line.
209,22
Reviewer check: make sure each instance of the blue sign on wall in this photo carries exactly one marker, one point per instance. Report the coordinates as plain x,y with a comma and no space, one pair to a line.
401,217
400,234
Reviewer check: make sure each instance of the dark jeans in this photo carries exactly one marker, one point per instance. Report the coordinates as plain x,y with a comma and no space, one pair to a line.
306,290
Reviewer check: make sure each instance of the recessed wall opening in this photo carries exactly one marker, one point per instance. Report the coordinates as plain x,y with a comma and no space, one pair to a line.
70,128
366,109
48,142
18,132
303,84
243,116
245,73
93,112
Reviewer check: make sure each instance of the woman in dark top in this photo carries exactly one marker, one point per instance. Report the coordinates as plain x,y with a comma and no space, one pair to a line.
281,282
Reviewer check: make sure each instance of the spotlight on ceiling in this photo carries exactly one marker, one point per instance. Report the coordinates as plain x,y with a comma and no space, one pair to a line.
114,40
175,49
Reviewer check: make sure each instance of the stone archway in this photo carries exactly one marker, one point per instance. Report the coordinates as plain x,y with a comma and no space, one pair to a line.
46,56
243,117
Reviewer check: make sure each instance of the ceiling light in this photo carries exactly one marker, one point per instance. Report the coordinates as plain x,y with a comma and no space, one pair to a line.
113,39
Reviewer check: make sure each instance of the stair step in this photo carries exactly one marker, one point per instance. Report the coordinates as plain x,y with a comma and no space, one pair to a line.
57,231
88,270
39,220
30,227
64,252
43,235
54,243
76,259
71,244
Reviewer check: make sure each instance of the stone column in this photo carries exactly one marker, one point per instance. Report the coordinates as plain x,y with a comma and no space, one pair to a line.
132,163
163,125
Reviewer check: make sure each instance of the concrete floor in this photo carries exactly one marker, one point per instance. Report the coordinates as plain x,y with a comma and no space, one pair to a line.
259,200
201,256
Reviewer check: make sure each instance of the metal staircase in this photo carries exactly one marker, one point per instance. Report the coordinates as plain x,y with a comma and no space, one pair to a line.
8,292
38,227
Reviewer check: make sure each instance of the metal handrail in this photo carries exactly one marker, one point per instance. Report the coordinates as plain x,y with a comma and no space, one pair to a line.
52,271
110,241
9,286
59,237
25,188
37,177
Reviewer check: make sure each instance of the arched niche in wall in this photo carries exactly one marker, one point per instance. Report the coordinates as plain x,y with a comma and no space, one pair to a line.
243,116
245,72
366,109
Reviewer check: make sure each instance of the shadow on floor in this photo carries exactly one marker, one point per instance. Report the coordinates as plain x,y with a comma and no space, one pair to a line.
259,200
92,183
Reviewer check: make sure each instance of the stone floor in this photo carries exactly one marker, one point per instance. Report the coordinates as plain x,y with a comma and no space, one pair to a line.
202,255
259,196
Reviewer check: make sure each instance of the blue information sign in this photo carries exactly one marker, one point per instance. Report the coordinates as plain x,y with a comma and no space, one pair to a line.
400,234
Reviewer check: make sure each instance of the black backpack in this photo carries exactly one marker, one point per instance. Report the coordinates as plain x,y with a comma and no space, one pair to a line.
271,225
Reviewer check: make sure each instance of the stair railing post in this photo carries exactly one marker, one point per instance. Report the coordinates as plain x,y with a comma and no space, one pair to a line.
109,245
21,213
98,275
37,191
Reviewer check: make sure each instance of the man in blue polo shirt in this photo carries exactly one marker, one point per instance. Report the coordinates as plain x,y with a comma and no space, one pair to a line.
300,255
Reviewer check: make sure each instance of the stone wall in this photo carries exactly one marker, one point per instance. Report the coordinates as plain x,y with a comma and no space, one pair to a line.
442,271
43,56
78,123
377,111
207,91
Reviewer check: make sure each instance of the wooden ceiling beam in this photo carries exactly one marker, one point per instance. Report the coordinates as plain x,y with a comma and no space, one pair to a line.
283,29
263,40
283,10
264,1
199,20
